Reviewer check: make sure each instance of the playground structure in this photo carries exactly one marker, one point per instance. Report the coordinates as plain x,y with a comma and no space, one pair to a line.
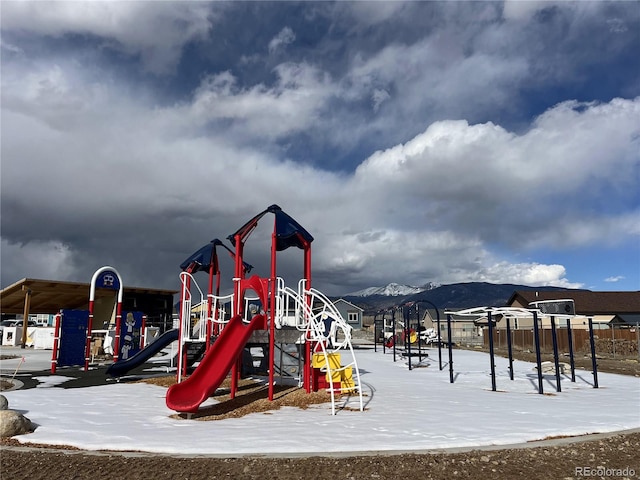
260,311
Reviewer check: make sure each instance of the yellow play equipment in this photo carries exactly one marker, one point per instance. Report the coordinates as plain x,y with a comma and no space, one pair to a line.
334,373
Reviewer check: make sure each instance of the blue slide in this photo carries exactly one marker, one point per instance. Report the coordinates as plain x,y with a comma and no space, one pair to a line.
123,366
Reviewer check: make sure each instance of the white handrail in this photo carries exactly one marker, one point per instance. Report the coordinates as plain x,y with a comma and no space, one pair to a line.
218,304
186,332
247,303
312,309
199,330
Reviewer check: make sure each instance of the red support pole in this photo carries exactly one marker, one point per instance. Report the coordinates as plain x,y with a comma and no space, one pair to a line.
216,314
234,378
116,342
180,314
239,310
273,287
142,331
184,291
307,366
308,371
56,340
238,274
184,363
87,345
209,317
235,374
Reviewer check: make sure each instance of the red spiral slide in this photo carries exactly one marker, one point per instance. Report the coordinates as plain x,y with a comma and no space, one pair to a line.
214,367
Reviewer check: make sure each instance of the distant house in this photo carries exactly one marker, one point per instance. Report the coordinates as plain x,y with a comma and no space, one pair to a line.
350,312
463,329
606,309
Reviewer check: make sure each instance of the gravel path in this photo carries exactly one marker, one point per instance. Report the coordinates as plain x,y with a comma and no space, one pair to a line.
614,456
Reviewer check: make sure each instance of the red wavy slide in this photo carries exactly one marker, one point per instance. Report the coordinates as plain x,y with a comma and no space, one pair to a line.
214,367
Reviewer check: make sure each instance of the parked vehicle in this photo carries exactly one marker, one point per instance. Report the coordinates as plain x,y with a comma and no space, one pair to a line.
19,323
14,323
5,323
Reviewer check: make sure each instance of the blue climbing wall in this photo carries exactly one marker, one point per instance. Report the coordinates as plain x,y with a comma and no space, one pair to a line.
73,337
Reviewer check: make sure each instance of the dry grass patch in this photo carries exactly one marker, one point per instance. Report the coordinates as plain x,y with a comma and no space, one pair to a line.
251,397
5,385
165,381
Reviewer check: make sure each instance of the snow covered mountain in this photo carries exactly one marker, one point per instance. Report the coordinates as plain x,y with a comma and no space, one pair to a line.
392,290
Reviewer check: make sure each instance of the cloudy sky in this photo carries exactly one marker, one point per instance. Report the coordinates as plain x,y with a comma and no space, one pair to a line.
417,142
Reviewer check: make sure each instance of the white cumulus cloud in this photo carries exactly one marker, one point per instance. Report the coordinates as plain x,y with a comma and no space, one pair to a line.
130,27
284,38
614,279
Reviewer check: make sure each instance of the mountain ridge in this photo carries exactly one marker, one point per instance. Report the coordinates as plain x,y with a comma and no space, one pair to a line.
393,290
451,296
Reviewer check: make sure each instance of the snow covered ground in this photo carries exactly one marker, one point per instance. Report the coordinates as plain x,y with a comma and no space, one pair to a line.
405,410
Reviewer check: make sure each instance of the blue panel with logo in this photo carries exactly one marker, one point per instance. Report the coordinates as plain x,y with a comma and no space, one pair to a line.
108,279
130,328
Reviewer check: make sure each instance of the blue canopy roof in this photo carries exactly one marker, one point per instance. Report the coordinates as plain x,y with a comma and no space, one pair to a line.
289,233
201,259
206,256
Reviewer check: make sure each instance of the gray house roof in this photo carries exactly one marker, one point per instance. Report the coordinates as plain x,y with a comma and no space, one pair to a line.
630,319
342,300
